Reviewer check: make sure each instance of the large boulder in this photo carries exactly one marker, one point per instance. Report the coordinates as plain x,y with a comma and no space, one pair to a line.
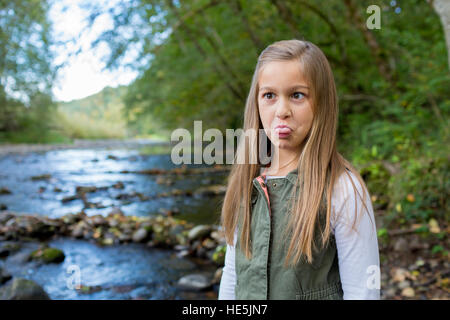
22,289
199,232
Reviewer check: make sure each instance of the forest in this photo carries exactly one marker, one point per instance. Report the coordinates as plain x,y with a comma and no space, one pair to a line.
194,60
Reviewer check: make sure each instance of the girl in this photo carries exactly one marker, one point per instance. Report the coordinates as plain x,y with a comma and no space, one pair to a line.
301,227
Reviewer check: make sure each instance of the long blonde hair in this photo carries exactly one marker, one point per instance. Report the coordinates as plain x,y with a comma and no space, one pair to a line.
319,164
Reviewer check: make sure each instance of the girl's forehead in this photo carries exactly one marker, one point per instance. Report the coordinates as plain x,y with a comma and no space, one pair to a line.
281,74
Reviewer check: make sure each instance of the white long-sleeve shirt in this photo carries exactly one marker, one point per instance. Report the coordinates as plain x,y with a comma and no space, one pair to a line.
358,255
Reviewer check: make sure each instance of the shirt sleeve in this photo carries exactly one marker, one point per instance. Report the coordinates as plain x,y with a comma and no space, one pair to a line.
228,280
358,255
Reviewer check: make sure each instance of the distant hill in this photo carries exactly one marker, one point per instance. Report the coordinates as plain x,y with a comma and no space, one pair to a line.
96,116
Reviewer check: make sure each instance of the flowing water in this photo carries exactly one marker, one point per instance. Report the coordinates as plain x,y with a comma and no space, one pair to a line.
39,180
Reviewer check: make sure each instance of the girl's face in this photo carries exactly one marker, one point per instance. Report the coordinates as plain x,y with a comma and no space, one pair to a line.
284,100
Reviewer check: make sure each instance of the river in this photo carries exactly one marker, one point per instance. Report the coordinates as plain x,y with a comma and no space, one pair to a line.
41,178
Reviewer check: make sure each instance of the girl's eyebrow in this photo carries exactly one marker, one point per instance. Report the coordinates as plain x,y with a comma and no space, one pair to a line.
292,88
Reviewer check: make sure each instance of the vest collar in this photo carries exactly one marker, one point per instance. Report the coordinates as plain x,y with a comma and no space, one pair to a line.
291,176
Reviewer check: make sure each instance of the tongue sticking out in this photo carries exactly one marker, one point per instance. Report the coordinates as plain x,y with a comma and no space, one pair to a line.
283,130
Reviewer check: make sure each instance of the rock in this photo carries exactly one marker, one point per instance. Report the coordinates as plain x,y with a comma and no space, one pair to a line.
88,289
182,253
4,276
176,230
196,282
433,263
5,216
98,220
199,232
399,274
3,206
4,190
118,185
107,241
404,284
8,248
113,223
78,230
114,211
401,245
73,218
85,189
201,252
389,293
140,235
209,244
211,191
124,237
218,236
147,225
48,255
23,289
180,247
69,198
41,230
10,223
408,292
41,177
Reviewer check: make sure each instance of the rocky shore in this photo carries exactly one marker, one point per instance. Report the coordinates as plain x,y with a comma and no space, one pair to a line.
205,242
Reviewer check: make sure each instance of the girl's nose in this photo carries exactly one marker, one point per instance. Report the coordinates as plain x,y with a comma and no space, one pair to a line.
283,109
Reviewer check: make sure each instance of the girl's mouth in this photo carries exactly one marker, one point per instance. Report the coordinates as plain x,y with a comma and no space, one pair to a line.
283,132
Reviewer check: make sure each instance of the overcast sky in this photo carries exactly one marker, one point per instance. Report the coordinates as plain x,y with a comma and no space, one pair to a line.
83,75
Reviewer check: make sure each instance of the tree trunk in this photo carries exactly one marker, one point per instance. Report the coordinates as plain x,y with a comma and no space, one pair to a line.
383,67
442,8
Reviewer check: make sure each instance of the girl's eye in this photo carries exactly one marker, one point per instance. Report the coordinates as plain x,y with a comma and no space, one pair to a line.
267,93
298,95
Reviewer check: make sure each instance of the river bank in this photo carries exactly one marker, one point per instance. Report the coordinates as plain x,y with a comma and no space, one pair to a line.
30,241
22,148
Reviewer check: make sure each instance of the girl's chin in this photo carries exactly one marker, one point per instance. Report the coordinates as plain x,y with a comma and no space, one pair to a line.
283,144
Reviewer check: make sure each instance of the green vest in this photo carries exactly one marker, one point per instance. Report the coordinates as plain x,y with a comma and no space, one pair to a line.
264,276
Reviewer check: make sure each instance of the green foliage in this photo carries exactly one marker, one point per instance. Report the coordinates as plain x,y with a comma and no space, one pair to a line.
219,255
26,72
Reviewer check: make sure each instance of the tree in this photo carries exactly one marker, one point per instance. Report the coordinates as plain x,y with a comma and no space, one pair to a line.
442,8
26,71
